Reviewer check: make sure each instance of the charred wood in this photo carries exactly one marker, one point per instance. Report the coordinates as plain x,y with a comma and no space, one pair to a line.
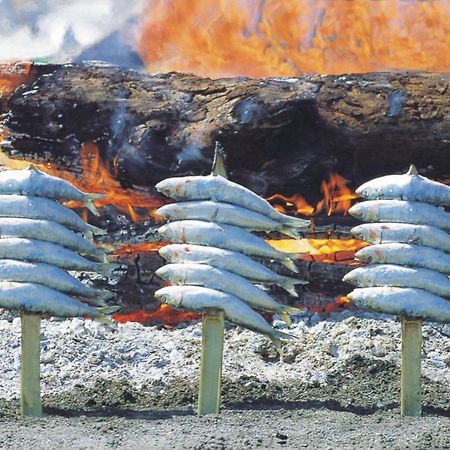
282,135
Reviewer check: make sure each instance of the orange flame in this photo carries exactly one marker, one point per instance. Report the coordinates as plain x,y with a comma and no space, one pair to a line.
95,177
165,314
338,305
337,198
332,251
259,38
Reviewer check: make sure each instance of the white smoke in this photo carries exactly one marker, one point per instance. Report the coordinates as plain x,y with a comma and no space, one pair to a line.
59,30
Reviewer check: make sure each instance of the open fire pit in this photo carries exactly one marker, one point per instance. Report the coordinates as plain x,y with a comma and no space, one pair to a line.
309,100
303,143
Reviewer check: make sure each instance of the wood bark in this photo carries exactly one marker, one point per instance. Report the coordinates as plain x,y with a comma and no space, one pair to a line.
281,135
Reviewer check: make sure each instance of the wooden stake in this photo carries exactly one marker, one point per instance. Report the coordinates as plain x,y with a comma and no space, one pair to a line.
411,392
30,391
211,362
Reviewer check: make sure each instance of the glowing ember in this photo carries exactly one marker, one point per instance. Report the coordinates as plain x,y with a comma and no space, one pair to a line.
261,38
337,198
338,305
165,314
139,248
321,250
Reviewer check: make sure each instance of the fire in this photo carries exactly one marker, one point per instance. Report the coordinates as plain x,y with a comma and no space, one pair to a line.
164,314
95,177
337,251
338,305
260,38
139,248
337,198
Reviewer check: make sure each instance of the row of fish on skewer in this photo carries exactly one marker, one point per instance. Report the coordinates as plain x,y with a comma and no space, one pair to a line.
41,240
210,258
409,255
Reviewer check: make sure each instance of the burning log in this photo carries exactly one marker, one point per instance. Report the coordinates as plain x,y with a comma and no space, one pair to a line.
149,127
109,129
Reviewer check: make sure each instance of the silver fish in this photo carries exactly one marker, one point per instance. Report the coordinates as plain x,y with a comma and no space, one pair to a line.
222,280
408,302
406,255
38,298
224,213
399,276
44,209
402,212
194,298
49,231
228,260
33,182
383,233
32,250
222,236
219,189
53,277
410,186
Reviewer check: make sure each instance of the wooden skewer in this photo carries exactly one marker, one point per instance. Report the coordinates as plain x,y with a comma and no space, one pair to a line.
411,392
30,390
211,362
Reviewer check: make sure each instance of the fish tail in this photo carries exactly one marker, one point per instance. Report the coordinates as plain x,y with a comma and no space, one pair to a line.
108,310
284,316
91,207
96,230
290,265
276,338
291,232
295,222
99,255
288,284
106,269
90,196
104,295
92,301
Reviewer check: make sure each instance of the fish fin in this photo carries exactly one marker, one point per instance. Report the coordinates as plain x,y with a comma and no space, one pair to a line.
104,295
106,269
219,161
94,196
99,302
108,310
290,265
412,170
284,316
99,255
293,233
288,284
96,230
292,310
296,222
33,168
276,338
91,207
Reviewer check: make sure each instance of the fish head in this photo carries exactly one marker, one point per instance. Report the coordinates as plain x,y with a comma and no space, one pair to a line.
369,191
172,187
169,296
163,230
360,232
165,252
163,273
170,211
359,211
368,255
350,278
